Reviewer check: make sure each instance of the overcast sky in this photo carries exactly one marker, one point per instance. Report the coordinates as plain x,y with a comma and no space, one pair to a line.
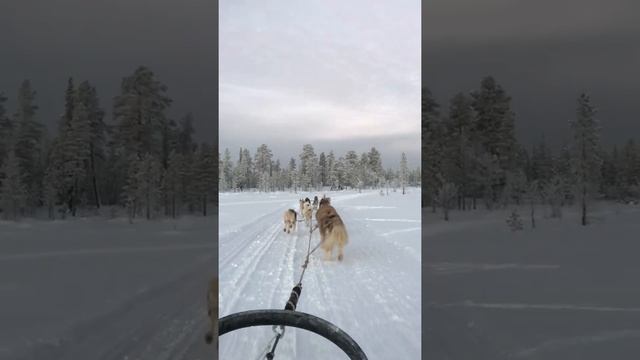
105,40
341,75
544,53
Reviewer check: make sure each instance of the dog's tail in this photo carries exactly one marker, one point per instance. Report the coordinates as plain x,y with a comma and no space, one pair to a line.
340,235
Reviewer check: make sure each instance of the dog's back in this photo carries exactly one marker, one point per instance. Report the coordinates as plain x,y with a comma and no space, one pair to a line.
328,220
333,232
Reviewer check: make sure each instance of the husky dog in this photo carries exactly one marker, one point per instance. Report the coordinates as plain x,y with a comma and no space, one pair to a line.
307,213
333,232
290,219
315,203
212,310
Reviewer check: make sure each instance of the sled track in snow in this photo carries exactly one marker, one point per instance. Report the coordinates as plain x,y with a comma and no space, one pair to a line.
365,295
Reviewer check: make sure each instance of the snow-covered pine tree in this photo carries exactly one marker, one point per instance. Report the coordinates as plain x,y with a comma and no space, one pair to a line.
95,138
432,152
262,165
340,176
28,145
139,113
308,169
458,162
227,170
324,170
494,128
375,166
351,166
76,156
332,173
404,172
586,159
364,172
293,175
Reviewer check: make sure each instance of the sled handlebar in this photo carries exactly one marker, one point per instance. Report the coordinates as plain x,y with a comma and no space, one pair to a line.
295,319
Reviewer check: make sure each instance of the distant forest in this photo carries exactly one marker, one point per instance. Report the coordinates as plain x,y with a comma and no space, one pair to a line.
470,154
312,171
141,161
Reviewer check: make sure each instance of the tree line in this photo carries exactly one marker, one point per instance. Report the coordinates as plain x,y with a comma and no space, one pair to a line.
141,161
470,154
312,171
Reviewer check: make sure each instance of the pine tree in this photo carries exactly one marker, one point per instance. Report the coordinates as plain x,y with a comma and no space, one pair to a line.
262,164
293,177
139,112
332,171
28,147
494,129
324,170
375,166
351,165
364,173
404,172
458,162
308,169
586,158
94,130
432,147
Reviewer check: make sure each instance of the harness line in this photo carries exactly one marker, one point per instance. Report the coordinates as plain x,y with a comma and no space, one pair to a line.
295,292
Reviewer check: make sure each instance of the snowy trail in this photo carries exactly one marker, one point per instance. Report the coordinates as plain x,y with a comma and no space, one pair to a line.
105,290
374,294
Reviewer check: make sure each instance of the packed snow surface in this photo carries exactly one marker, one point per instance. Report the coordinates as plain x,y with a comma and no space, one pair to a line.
559,291
104,289
373,295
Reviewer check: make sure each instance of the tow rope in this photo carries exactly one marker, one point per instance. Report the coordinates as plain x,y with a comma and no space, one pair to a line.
292,303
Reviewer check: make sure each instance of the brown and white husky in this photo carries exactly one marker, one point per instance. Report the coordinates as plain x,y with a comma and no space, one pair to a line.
290,220
333,232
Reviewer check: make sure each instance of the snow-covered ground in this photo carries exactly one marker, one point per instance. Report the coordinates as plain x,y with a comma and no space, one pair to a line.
560,291
373,295
105,289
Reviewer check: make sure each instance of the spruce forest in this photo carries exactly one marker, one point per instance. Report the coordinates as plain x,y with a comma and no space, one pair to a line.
141,161
471,158
312,171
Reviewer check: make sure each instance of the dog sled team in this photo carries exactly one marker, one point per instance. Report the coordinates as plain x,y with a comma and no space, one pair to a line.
333,232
